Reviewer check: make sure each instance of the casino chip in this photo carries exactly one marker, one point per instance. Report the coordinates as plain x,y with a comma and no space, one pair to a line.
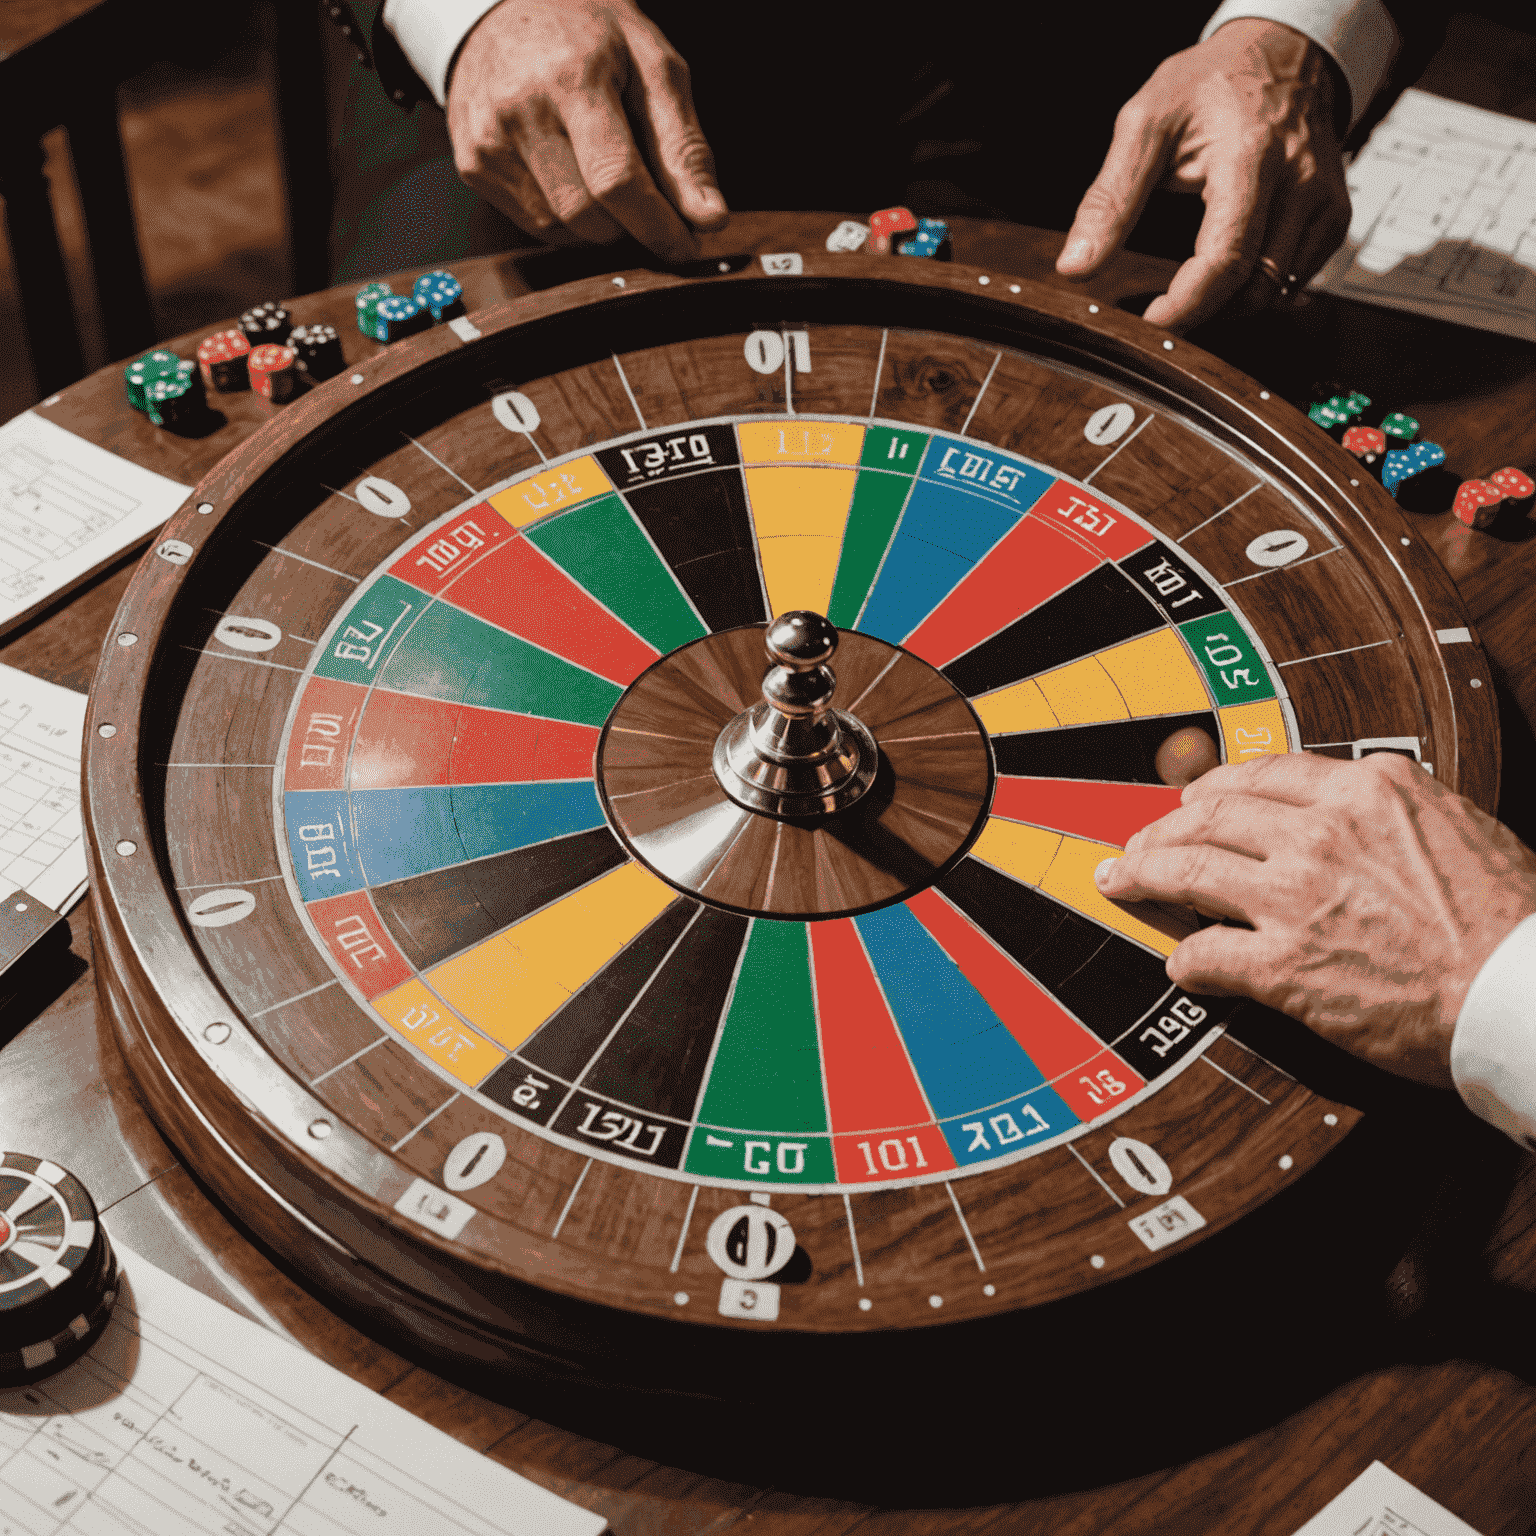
58,1274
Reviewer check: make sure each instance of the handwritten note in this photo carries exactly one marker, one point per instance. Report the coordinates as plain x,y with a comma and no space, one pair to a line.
1444,220
67,507
1380,1503
185,1419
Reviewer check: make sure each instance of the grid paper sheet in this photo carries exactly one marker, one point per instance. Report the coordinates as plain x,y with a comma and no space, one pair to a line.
42,847
67,508
185,1419
1444,220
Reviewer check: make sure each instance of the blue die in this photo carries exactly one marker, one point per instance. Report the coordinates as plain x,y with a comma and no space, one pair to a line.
441,294
1403,463
931,240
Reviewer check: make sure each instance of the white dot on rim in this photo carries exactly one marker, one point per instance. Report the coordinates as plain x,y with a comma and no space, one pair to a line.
1330,1119
319,1129
935,1301
618,282
205,507
865,1303
1354,482
357,378
1405,541
1477,682
1167,346
680,1297
106,730
989,1290
127,847
1287,1163
1093,309
1013,287
127,639
983,281
1097,1261
1263,394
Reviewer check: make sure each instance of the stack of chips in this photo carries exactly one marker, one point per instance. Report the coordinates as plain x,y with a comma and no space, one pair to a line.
886,223
441,294
931,239
222,358
396,316
1402,464
268,322
274,374
317,351
367,301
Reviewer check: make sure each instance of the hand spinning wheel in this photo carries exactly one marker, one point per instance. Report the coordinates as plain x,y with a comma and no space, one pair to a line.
546,967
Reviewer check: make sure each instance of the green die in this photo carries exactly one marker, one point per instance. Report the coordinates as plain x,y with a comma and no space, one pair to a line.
1400,427
367,301
143,371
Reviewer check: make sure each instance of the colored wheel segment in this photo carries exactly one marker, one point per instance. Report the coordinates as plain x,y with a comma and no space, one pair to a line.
862,1002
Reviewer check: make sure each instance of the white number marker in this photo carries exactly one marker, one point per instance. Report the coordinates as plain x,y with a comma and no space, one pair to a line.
1278,548
218,909
764,351
516,412
242,634
1140,1166
1109,424
750,1242
382,497
475,1161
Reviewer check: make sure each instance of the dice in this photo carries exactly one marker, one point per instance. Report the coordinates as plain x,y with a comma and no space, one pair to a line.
1369,446
887,223
1339,412
1403,465
1400,429
1507,492
931,240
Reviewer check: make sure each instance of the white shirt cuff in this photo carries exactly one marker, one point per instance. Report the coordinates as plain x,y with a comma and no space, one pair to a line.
1493,1050
1359,34
430,34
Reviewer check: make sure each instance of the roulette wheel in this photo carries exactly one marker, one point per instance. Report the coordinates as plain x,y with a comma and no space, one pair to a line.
593,812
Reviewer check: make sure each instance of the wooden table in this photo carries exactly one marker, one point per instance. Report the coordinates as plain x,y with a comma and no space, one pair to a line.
1444,1408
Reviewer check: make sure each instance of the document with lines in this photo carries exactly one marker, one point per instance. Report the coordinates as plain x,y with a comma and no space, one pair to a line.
42,846
186,1419
1444,217
67,508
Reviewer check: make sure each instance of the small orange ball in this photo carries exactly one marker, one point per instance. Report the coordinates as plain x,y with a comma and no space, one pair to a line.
1185,755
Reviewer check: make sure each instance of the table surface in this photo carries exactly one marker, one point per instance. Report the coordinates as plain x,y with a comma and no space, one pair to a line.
1453,1417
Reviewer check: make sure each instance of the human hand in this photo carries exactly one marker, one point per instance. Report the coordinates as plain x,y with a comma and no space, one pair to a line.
1246,120
1373,895
575,118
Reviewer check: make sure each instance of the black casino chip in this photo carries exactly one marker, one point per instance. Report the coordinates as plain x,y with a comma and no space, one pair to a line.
58,1274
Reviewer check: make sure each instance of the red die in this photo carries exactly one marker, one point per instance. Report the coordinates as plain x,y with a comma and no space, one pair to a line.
1477,503
273,374
887,222
221,358
1518,487
1362,440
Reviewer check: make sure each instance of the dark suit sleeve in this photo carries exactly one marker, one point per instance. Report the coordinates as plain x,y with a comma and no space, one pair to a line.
361,22
1421,25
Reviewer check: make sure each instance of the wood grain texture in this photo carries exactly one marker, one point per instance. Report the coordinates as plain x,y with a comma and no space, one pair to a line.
1457,1429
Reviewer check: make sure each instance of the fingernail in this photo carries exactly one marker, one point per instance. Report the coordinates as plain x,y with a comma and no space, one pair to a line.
1079,250
1102,872
711,199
